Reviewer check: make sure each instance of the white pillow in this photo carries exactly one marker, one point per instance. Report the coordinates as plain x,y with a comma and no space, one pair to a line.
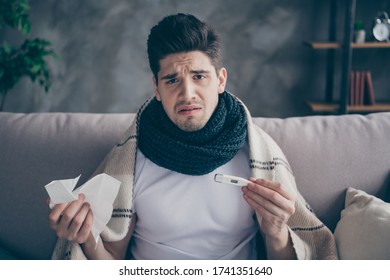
363,232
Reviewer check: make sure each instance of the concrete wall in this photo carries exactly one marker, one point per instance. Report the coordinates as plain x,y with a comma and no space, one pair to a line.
103,66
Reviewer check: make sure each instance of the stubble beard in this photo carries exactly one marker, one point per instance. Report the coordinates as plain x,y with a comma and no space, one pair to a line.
190,124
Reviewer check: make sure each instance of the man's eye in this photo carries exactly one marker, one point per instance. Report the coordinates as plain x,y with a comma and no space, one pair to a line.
171,81
199,77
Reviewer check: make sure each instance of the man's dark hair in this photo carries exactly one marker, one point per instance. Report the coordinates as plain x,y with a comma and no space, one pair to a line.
182,33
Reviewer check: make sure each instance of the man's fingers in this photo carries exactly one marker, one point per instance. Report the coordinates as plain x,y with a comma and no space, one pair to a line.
258,202
79,220
85,229
62,214
269,189
72,221
276,217
272,196
55,214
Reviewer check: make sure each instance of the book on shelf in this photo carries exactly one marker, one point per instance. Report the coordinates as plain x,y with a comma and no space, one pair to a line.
370,89
351,88
361,91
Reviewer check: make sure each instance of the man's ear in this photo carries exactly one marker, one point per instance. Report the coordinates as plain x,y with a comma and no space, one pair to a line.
222,79
158,97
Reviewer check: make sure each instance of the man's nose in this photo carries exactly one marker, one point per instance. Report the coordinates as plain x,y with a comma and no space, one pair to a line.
188,90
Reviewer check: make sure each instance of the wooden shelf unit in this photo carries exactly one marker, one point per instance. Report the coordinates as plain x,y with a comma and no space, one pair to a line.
336,45
322,107
346,45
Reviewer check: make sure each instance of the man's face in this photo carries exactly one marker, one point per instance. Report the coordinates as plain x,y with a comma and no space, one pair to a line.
188,88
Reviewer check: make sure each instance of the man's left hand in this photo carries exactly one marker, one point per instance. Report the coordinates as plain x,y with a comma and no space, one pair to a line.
273,202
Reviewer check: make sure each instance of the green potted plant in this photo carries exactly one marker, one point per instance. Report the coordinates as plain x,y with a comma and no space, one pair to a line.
359,32
27,60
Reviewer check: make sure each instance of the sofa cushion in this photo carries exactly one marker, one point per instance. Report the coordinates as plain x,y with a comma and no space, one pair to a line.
330,153
36,149
363,231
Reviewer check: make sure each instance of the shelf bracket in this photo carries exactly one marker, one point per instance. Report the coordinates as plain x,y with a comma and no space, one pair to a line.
330,56
347,54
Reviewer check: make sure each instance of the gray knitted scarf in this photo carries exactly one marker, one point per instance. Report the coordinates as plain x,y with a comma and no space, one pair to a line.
198,152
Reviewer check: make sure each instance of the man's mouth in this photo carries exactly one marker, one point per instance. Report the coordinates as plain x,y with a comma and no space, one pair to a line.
188,109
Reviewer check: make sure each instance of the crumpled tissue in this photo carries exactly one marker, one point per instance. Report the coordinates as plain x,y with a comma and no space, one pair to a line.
100,192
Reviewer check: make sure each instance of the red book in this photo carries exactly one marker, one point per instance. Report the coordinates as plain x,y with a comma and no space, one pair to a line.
361,87
370,89
352,88
357,88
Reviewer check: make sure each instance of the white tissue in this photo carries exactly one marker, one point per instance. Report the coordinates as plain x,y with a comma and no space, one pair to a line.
100,192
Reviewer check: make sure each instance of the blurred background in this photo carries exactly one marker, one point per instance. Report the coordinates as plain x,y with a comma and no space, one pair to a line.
103,66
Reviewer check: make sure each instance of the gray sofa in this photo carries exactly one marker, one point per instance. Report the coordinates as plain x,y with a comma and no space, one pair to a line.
328,154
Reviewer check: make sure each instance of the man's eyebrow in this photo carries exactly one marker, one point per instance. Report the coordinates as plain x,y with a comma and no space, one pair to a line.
169,76
174,75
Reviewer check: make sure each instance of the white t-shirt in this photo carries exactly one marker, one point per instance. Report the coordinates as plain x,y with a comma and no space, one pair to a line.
192,217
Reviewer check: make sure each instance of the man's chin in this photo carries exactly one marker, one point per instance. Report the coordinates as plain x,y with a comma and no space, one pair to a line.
190,125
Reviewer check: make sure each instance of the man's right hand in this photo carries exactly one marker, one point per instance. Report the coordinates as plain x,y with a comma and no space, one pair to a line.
72,220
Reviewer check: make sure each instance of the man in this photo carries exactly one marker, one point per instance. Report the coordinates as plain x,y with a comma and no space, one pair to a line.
169,205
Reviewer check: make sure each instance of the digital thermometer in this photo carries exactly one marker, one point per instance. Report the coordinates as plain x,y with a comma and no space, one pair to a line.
233,180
